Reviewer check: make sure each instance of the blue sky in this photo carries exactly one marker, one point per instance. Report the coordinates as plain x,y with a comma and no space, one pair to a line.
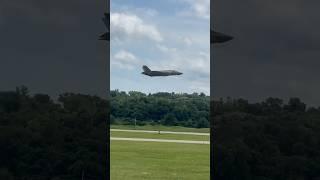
166,34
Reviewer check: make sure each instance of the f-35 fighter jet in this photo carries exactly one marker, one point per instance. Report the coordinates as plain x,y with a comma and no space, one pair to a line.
216,37
148,72
106,21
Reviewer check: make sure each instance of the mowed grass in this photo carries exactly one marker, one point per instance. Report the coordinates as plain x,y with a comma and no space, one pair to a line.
159,136
162,128
159,161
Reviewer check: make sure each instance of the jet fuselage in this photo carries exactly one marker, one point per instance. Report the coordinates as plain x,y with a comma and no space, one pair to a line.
162,73
148,72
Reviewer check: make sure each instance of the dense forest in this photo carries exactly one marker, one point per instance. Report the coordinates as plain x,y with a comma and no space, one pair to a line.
170,109
65,138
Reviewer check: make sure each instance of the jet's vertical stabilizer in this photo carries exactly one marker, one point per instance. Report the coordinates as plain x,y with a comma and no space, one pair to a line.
146,69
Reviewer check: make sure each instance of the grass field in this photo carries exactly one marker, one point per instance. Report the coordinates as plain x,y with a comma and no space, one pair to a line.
159,160
159,136
162,128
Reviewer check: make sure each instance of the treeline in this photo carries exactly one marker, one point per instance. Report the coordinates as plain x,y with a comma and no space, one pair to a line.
170,109
45,140
271,140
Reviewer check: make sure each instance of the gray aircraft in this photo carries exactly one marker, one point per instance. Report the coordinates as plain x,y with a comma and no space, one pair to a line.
106,21
217,37
148,72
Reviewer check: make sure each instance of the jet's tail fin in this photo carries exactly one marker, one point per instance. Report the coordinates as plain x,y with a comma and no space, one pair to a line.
145,68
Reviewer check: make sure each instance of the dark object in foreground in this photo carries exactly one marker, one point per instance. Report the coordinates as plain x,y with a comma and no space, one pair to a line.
148,72
42,138
217,37
106,20
105,36
269,140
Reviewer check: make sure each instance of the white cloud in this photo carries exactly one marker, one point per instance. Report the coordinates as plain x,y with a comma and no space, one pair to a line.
196,62
200,66
148,11
131,9
125,25
187,41
166,49
199,8
124,60
200,86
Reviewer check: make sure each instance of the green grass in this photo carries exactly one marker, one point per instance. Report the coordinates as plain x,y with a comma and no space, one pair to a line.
159,161
162,128
159,136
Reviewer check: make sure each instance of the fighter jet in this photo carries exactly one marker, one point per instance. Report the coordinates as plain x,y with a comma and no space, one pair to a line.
106,21
216,37
148,72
